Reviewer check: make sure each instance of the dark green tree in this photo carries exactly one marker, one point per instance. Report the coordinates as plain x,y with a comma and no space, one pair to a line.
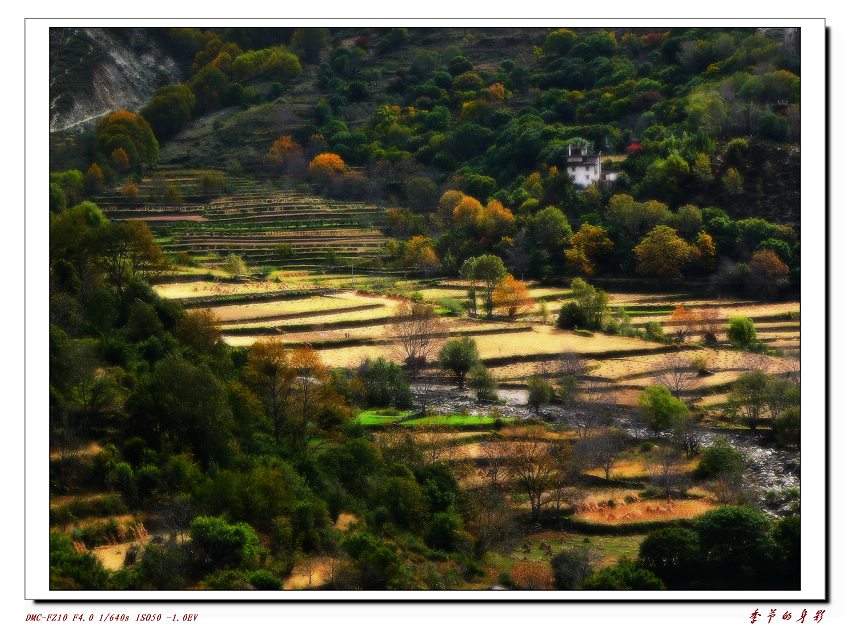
458,356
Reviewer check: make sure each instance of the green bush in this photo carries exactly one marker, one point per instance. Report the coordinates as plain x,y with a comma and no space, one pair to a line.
720,459
71,570
452,306
264,580
660,409
220,544
626,575
484,383
383,384
570,316
787,427
742,333
654,331
540,392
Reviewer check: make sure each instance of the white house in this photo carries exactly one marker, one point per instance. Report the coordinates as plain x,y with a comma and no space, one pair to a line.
585,166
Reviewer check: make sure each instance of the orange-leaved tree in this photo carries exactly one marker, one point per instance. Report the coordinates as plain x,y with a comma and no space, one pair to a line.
119,160
766,272
495,222
468,211
684,322
325,166
94,179
512,296
286,154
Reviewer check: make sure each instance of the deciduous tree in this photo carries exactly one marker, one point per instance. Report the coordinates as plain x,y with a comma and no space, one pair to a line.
766,273
487,269
662,253
588,243
534,468
326,166
512,296
660,409
458,356
270,372
130,132
417,334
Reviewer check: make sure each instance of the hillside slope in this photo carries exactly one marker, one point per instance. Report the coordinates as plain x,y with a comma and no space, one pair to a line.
94,71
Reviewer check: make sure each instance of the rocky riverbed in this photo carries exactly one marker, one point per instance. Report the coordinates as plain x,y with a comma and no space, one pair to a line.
770,470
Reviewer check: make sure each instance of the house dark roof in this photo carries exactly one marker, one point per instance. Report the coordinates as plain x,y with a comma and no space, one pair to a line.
582,156
583,160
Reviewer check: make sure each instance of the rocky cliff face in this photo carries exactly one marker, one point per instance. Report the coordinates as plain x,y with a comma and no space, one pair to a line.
95,70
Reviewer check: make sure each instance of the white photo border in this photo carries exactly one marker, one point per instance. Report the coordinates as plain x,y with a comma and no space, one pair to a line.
814,511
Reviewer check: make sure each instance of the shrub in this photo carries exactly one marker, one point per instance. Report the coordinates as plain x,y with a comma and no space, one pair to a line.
570,316
660,408
787,427
699,363
220,544
742,333
654,331
483,383
264,580
453,306
720,459
444,531
572,567
626,575
505,580
540,392
71,570
383,384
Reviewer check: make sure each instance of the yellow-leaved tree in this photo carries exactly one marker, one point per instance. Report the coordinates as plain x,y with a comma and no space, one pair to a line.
662,253
511,296
588,243
326,166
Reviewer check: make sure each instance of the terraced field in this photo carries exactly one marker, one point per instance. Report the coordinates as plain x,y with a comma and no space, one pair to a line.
251,219
296,238
347,326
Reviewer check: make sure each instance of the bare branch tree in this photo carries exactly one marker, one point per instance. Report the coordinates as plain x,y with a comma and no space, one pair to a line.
686,433
490,517
417,334
330,567
677,374
569,372
709,324
665,469
439,444
535,470
492,469
600,450
597,403
423,389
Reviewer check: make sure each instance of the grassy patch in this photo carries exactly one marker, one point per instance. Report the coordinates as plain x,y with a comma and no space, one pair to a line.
378,417
608,548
